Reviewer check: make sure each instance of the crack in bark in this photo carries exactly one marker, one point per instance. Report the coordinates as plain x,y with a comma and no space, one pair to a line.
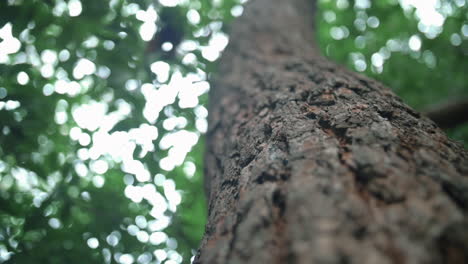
284,254
453,243
364,175
458,193
239,218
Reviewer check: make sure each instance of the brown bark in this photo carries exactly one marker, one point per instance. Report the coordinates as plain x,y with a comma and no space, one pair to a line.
308,162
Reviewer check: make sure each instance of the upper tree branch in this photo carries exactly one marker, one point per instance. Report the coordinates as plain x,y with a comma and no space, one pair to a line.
450,114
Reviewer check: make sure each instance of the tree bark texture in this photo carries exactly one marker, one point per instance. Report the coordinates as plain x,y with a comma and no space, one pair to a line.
308,162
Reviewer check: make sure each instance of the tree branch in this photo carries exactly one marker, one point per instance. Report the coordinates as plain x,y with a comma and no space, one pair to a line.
449,114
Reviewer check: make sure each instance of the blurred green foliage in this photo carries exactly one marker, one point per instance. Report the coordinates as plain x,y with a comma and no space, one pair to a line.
102,112
418,48
65,198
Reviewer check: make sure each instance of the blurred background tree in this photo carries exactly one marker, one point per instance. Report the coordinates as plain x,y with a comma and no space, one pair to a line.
102,112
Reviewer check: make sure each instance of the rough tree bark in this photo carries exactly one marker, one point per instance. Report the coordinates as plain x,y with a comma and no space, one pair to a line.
308,162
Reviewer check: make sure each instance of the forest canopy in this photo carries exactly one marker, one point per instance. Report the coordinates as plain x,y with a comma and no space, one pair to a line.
103,112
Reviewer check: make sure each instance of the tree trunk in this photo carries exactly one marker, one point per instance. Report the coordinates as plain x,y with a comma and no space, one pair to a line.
308,162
